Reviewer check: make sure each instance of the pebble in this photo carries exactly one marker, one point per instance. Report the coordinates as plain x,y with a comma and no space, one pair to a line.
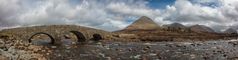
137,56
43,51
152,54
68,47
146,48
109,58
47,53
53,47
193,44
233,43
192,56
130,49
2,43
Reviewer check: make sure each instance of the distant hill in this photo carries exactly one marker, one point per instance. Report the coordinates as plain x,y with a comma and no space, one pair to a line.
230,31
201,29
175,27
143,23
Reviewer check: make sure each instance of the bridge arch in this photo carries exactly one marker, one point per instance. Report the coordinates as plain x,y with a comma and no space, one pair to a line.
97,37
79,35
51,37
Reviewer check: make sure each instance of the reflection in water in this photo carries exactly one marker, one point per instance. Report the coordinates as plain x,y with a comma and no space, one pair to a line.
46,42
69,39
67,42
41,42
41,39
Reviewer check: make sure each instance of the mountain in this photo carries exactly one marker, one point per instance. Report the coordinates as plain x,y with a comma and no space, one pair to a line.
143,23
201,28
175,27
230,31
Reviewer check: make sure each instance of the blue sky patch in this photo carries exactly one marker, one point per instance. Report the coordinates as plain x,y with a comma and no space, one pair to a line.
160,4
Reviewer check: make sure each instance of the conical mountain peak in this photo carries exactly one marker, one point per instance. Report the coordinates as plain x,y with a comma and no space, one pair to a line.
143,23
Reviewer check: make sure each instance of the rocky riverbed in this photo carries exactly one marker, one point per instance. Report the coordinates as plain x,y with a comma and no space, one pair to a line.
193,50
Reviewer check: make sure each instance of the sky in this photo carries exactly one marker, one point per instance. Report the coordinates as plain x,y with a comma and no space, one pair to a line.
111,15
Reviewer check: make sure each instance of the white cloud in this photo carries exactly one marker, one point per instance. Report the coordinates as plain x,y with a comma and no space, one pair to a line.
220,17
114,14
132,10
98,14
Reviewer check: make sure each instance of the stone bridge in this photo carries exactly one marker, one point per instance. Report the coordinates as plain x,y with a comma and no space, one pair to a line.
56,31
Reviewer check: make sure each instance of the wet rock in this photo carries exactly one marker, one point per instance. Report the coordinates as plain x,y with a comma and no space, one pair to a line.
118,49
192,44
168,45
4,48
53,47
47,53
68,47
2,43
59,55
109,58
67,37
152,54
137,56
233,43
101,54
130,49
192,56
146,48
98,43
159,56
144,57
74,43
224,55
199,44
206,58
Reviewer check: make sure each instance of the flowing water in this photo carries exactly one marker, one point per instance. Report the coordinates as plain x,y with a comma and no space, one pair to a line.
199,50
